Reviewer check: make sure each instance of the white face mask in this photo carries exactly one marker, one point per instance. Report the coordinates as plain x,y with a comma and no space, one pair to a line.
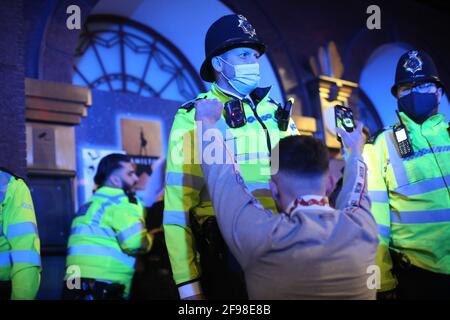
246,77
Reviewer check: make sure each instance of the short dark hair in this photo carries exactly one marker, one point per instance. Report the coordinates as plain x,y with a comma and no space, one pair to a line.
302,155
107,166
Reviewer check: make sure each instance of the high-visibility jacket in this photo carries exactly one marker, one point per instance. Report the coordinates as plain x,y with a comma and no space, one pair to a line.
185,187
411,197
106,235
20,260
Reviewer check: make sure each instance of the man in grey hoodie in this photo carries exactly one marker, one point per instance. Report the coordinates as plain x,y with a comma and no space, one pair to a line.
310,250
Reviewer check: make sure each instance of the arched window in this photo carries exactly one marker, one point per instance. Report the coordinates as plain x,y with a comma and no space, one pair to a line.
117,54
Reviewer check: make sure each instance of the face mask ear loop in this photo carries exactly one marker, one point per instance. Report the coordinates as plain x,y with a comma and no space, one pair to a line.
221,72
219,57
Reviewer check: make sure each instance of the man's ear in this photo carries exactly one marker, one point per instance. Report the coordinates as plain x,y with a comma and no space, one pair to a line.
115,181
274,189
331,184
216,64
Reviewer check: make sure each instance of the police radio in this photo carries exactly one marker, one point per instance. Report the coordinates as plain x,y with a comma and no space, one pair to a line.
283,114
234,113
402,139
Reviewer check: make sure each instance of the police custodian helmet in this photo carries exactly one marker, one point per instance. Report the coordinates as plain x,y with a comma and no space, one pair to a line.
229,32
415,67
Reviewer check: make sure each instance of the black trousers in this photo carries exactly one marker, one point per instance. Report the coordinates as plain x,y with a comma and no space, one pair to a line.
94,290
418,284
5,290
415,283
222,278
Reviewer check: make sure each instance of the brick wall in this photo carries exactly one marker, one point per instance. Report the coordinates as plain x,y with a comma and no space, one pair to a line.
12,88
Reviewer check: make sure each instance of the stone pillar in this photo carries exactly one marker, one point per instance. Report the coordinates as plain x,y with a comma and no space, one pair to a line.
52,111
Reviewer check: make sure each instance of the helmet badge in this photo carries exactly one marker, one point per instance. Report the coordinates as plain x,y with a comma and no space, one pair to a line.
246,26
414,63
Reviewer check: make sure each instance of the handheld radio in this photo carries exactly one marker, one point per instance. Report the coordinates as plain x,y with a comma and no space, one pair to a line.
402,139
283,114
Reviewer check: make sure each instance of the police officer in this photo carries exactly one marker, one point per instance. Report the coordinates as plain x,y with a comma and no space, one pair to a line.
107,234
20,262
232,50
409,184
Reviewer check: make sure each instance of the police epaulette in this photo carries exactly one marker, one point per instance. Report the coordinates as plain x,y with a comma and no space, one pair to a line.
189,105
377,133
